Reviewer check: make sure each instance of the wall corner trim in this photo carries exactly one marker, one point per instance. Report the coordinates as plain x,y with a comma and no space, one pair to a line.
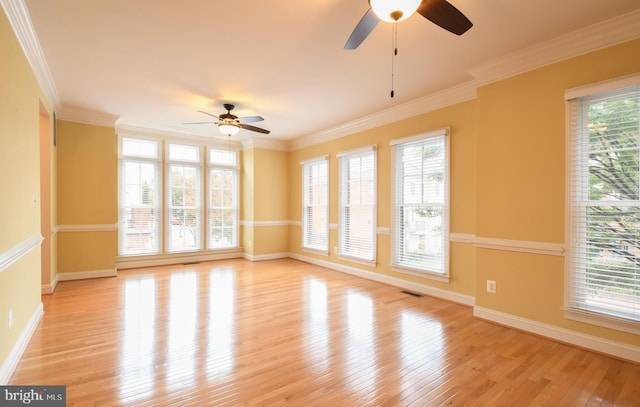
9,365
17,252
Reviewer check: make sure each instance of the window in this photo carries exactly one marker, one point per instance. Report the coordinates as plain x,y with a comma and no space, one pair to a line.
604,263
357,217
222,229
184,197
139,197
315,204
191,210
420,218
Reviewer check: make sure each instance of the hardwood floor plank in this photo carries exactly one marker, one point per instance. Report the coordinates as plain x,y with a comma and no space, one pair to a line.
287,333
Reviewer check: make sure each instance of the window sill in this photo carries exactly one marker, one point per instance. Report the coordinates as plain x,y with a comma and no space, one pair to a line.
593,318
369,263
431,275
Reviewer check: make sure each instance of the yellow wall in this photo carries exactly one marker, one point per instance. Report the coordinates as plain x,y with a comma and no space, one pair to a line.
521,183
265,202
246,200
20,101
87,197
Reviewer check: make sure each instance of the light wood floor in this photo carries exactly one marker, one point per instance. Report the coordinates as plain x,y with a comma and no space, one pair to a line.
283,332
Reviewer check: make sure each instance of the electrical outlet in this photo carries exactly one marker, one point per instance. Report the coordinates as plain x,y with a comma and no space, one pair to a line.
491,286
10,318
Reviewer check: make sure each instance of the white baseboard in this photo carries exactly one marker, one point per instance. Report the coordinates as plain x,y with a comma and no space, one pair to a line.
393,281
126,262
262,257
81,275
594,343
50,288
10,363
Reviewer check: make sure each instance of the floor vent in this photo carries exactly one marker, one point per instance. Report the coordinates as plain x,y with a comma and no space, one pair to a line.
410,293
190,263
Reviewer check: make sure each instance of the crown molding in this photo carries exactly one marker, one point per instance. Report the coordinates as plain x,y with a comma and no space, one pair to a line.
447,97
86,116
19,18
598,36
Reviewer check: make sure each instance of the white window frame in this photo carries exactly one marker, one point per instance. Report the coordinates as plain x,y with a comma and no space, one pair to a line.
161,253
124,220
399,262
309,239
575,307
235,169
184,232
343,230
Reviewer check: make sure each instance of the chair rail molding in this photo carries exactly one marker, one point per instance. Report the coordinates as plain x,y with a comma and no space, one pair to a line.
17,252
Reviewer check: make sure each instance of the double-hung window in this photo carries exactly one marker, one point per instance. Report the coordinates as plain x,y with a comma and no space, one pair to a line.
184,197
420,218
222,225
603,276
315,204
139,197
357,208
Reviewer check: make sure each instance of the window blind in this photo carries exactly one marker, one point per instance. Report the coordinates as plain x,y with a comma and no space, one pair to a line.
420,219
139,197
315,204
357,209
604,265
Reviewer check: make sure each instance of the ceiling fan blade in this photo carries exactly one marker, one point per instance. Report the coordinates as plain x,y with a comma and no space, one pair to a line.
207,113
200,123
362,30
444,14
251,119
254,128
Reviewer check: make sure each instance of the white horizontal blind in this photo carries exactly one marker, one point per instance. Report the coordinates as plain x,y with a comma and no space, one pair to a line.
604,272
222,222
315,204
357,224
420,219
184,197
139,197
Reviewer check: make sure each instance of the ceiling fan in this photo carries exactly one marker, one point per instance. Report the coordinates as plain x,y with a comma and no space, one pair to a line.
439,12
230,124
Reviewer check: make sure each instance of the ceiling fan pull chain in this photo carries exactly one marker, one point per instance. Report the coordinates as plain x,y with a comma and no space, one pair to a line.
395,52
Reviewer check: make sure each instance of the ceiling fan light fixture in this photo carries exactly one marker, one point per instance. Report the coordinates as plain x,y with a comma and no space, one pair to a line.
394,10
228,128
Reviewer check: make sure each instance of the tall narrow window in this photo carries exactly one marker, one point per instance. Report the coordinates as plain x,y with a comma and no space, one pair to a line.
139,197
315,204
222,224
604,266
184,208
421,203
357,225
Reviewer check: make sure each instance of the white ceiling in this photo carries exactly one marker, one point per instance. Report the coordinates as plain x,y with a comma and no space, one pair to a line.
155,63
